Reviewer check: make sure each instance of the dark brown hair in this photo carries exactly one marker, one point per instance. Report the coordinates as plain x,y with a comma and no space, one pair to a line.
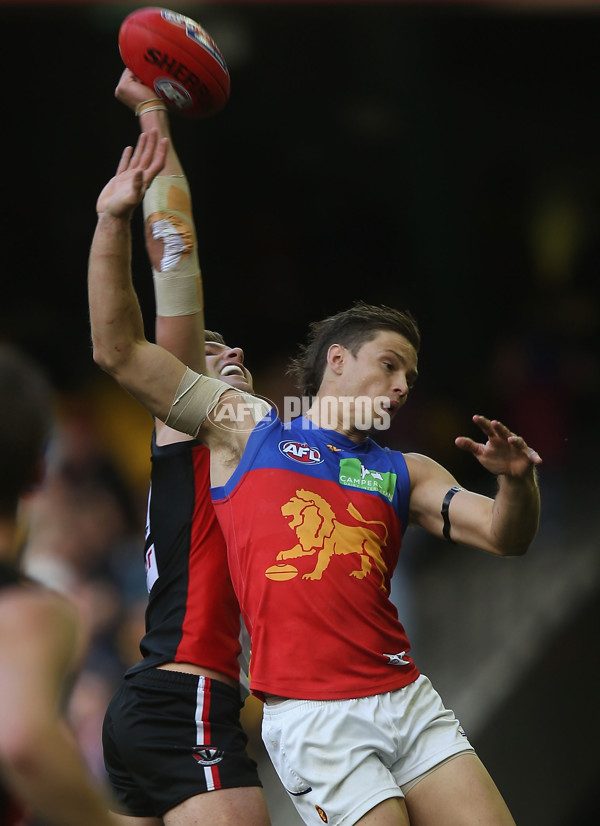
351,328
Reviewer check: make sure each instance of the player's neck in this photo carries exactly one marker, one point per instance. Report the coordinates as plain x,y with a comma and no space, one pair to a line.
332,413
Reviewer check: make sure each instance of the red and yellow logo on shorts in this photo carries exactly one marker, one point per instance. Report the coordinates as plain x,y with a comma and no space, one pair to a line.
321,814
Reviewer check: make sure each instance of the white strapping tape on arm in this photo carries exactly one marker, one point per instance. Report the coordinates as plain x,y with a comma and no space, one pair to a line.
168,211
198,395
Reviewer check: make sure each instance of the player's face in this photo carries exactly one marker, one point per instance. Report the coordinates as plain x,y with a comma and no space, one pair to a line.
384,369
227,364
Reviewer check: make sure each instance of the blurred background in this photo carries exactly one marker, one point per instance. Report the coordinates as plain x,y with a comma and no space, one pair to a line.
434,156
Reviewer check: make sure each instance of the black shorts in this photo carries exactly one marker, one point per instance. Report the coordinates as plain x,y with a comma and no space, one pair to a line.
168,736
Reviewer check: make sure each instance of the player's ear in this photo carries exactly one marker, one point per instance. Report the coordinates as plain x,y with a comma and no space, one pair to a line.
335,358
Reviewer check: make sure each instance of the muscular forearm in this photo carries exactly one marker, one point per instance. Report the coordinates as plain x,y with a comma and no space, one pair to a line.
173,251
115,316
148,372
515,513
159,120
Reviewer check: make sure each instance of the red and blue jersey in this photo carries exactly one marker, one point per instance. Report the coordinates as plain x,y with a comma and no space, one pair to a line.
313,524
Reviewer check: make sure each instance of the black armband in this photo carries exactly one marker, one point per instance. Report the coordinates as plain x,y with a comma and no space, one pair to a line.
444,511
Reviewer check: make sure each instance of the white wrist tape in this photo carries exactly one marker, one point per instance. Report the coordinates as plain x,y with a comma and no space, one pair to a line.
197,396
168,216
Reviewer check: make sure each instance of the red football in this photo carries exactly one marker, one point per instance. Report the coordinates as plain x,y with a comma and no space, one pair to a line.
176,57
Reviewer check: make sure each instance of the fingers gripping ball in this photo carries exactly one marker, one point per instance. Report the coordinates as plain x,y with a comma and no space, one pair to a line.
177,58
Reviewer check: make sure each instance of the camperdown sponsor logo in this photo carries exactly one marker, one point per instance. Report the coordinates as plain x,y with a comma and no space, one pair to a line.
353,474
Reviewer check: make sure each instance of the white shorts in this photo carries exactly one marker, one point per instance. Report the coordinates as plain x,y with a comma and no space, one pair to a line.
343,757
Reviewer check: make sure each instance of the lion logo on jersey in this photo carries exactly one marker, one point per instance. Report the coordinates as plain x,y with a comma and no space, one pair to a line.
319,532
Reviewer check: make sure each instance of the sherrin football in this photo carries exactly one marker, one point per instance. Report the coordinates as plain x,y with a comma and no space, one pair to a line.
177,58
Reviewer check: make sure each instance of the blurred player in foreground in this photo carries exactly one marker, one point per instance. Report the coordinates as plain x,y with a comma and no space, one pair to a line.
41,769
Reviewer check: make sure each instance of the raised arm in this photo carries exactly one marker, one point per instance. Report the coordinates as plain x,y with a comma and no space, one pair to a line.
157,379
505,525
170,241
148,372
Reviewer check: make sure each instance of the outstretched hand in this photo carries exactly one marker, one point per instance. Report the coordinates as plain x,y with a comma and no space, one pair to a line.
137,169
131,91
503,453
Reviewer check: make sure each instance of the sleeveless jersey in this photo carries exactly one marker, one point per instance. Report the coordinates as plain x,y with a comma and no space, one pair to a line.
11,813
313,524
192,614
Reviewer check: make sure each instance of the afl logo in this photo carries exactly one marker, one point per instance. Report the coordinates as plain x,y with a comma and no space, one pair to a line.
301,452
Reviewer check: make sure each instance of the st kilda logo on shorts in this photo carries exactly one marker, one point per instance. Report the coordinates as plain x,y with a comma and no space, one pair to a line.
207,755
